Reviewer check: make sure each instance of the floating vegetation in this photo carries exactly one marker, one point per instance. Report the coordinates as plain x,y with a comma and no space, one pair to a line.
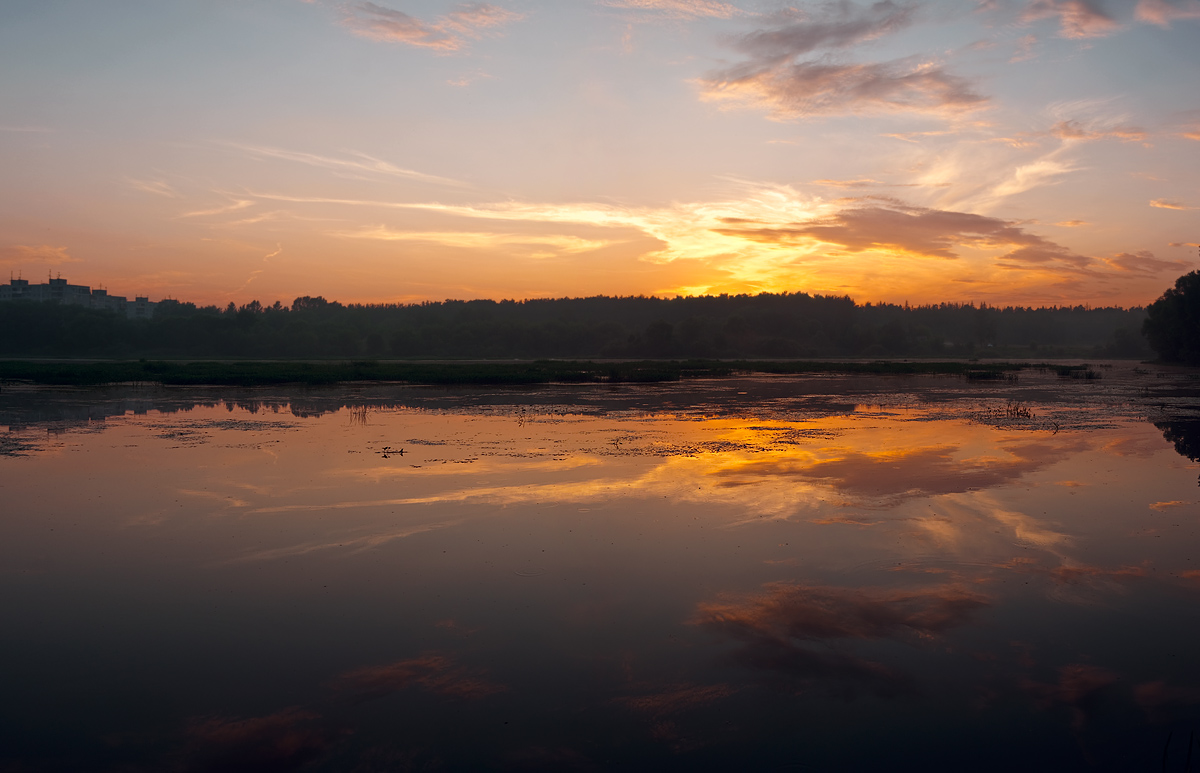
1078,372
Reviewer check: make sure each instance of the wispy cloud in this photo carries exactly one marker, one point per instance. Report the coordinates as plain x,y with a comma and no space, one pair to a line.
42,254
1165,204
766,237
1042,171
820,88
1024,49
156,187
797,32
479,239
1076,18
468,78
1144,262
356,163
1077,131
773,76
446,34
678,9
434,673
862,182
233,206
1162,13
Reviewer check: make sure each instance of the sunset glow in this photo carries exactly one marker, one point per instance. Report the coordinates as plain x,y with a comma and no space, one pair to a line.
1031,152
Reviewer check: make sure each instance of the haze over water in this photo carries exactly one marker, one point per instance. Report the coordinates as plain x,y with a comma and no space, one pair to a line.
819,573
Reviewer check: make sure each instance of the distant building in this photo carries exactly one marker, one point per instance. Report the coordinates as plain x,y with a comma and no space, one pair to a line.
58,291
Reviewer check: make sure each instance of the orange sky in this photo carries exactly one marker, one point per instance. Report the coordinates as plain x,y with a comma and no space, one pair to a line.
1026,152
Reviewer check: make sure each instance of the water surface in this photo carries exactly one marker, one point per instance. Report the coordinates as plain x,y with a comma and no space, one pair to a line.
801,573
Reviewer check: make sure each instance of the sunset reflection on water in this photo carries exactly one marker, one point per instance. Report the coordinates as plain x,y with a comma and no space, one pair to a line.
593,579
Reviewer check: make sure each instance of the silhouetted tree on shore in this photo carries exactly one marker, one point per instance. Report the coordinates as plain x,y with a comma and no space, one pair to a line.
1172,323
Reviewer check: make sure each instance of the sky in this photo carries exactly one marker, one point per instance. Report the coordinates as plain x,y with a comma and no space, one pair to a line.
1010,152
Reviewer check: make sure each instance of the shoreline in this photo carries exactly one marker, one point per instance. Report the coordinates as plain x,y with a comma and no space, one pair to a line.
489,373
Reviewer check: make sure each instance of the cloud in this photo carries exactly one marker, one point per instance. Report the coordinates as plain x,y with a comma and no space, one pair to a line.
1163,702
1039,172
467,79
43,254
1076,18
1162,13
772,78
1144,262
758,237
448,33
792,630
1164,204
1075,131
894,474
796,32
285,741
678,9
233,206
1072,223
157,187
676,698
864,182
888,225
479,240
435,673
821,88
1080,687
1024,49
358,163
378,23
471,17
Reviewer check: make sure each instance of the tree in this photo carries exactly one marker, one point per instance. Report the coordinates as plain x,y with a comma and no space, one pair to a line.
1172,323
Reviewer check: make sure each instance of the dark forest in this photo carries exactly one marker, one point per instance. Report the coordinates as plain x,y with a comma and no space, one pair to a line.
788,325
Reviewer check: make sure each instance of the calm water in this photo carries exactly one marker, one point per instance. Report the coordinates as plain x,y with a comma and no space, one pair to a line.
771,574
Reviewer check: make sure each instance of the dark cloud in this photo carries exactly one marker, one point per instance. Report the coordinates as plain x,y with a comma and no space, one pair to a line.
276,743
792,630
1144,262
771,76
1080,687
880,223
435,673
1163,702
676,698
1043,253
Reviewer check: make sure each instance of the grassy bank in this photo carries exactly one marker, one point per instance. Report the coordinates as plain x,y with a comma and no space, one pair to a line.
539,372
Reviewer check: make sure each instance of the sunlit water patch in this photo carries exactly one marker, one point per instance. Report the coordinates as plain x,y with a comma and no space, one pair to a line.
797,573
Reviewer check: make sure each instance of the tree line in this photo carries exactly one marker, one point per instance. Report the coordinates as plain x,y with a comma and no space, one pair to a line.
768,325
